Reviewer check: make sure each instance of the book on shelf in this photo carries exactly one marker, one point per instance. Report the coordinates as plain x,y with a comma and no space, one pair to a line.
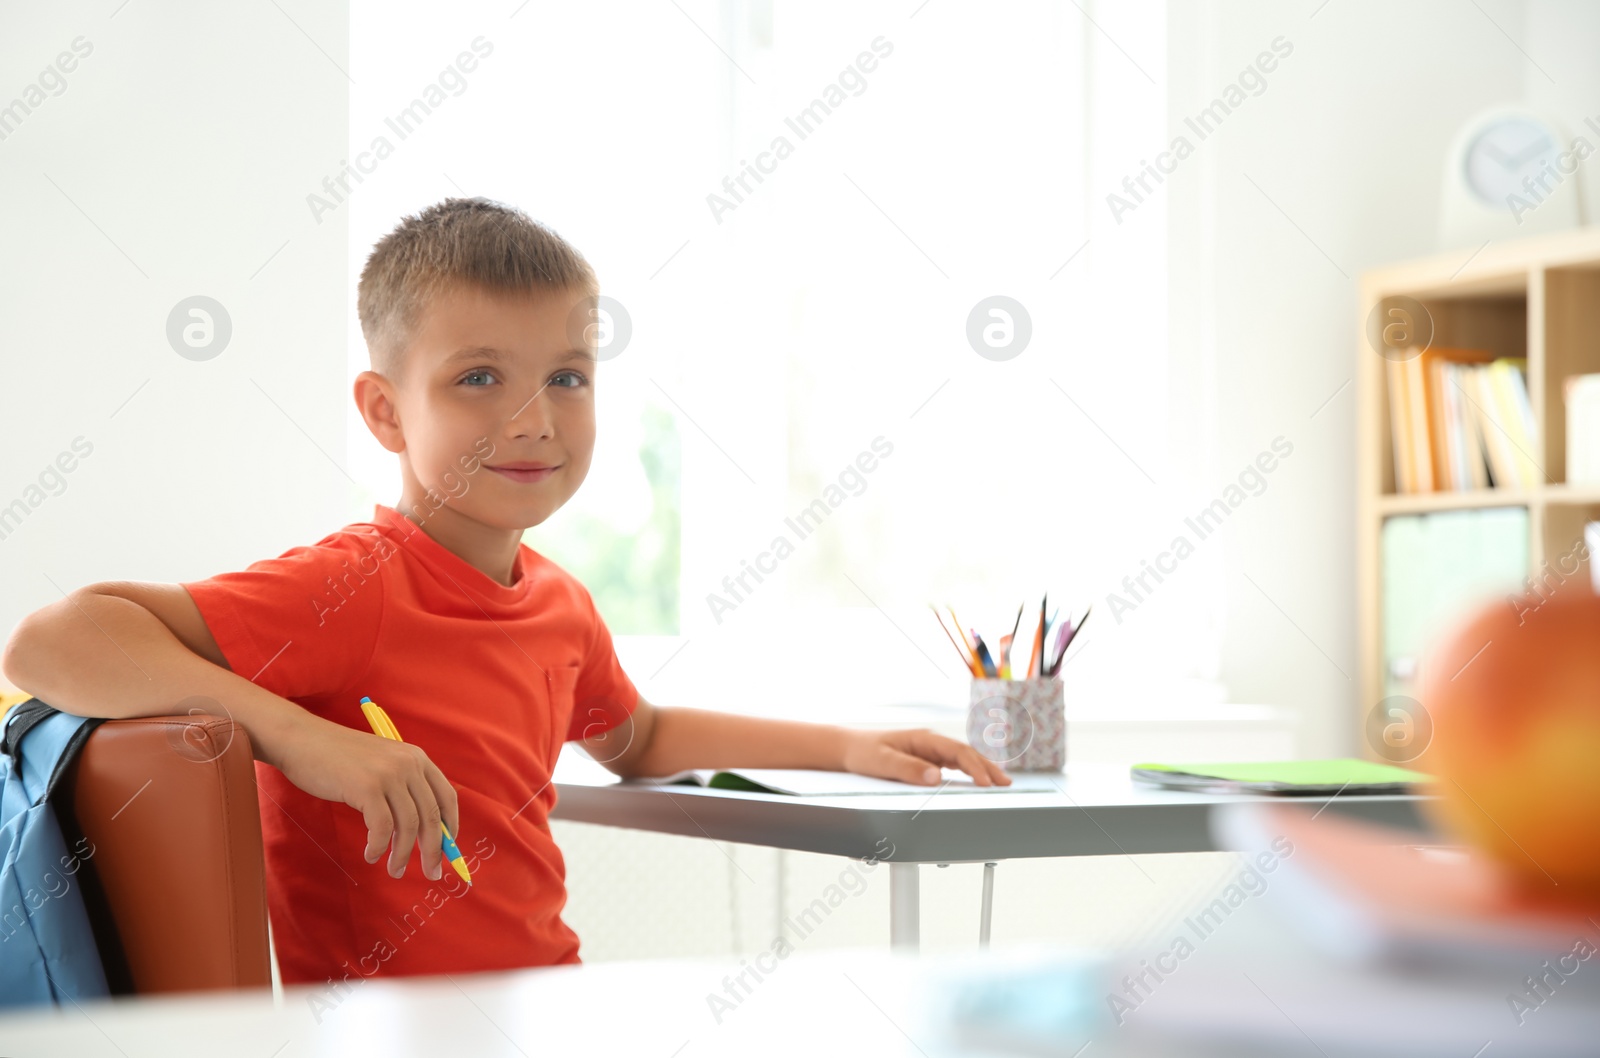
1582,394
1510,379
1435,566
1461,431
1461,419
1405,473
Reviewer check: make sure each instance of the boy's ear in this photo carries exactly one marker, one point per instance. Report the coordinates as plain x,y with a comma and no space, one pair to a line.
375,398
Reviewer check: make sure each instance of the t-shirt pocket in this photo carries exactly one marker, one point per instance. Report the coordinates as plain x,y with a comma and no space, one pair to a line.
562,681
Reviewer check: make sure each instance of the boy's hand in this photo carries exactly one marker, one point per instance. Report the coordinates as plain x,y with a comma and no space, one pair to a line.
915,756
401,795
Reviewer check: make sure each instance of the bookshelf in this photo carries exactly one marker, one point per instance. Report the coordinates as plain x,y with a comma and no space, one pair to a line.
1536,298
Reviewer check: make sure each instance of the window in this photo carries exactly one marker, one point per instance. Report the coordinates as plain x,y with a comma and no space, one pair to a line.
800,205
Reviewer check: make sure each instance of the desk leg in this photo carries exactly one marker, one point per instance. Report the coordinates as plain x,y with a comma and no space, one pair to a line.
987,910
904,914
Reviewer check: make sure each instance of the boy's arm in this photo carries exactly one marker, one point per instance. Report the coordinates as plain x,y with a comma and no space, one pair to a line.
655,742
127,649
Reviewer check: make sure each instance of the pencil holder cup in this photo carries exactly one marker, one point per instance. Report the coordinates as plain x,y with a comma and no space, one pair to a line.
1021,725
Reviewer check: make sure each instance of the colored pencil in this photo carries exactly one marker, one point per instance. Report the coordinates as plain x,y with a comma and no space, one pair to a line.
989,668
384,727
1077,627
966,658
956,621
1036,655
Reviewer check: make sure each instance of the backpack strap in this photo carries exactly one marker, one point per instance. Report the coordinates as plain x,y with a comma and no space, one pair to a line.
26,716
20,719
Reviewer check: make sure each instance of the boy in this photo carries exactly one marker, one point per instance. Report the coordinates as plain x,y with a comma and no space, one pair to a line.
486,655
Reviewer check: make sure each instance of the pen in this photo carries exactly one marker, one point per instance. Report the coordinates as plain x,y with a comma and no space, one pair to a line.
966,658
1045,657
1072,634
977,665
1060,648
1006,641
984,659
1036,655
383,726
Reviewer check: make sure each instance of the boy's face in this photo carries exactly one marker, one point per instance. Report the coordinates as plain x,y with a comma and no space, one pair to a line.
503,368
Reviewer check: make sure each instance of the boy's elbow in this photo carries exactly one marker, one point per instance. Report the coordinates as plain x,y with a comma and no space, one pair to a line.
22,648
624,766
632,769
630,763
32,650
8,658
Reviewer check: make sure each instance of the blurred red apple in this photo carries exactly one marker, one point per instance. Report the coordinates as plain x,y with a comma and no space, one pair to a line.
1514,696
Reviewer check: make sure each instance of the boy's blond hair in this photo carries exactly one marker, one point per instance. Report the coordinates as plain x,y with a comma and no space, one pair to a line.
460,240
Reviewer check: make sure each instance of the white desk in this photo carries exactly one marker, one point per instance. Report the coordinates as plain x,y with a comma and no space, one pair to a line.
1097,811
1248,993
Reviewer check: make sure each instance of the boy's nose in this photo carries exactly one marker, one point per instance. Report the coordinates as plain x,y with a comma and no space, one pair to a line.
532,418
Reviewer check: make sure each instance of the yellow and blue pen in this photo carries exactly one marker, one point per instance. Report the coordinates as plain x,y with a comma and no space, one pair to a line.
383,726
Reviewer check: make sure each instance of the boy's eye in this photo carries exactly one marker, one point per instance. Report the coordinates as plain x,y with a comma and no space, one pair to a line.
468,378
573,380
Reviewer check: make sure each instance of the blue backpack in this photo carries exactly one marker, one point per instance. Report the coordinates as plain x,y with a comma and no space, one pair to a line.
47,947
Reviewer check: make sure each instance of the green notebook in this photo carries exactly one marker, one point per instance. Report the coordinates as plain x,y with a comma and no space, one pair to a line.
1291,778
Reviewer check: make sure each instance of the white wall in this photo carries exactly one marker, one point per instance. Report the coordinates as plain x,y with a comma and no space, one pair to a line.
1346,144
175,162
1561,37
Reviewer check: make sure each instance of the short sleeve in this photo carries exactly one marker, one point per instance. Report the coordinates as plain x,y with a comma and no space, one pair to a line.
604,696
304,624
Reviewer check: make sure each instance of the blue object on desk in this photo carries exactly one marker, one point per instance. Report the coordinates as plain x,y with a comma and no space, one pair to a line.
1018,1001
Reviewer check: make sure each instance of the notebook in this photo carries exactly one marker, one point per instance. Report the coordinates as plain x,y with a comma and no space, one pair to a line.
1364,892
1304,778
800,782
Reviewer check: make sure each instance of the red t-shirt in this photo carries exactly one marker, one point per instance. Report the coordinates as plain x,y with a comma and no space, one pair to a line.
489,680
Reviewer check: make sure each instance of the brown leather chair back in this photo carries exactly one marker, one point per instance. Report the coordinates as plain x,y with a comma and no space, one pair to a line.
162,813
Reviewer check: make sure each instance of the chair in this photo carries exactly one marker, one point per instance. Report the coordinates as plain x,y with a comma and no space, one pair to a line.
163,813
